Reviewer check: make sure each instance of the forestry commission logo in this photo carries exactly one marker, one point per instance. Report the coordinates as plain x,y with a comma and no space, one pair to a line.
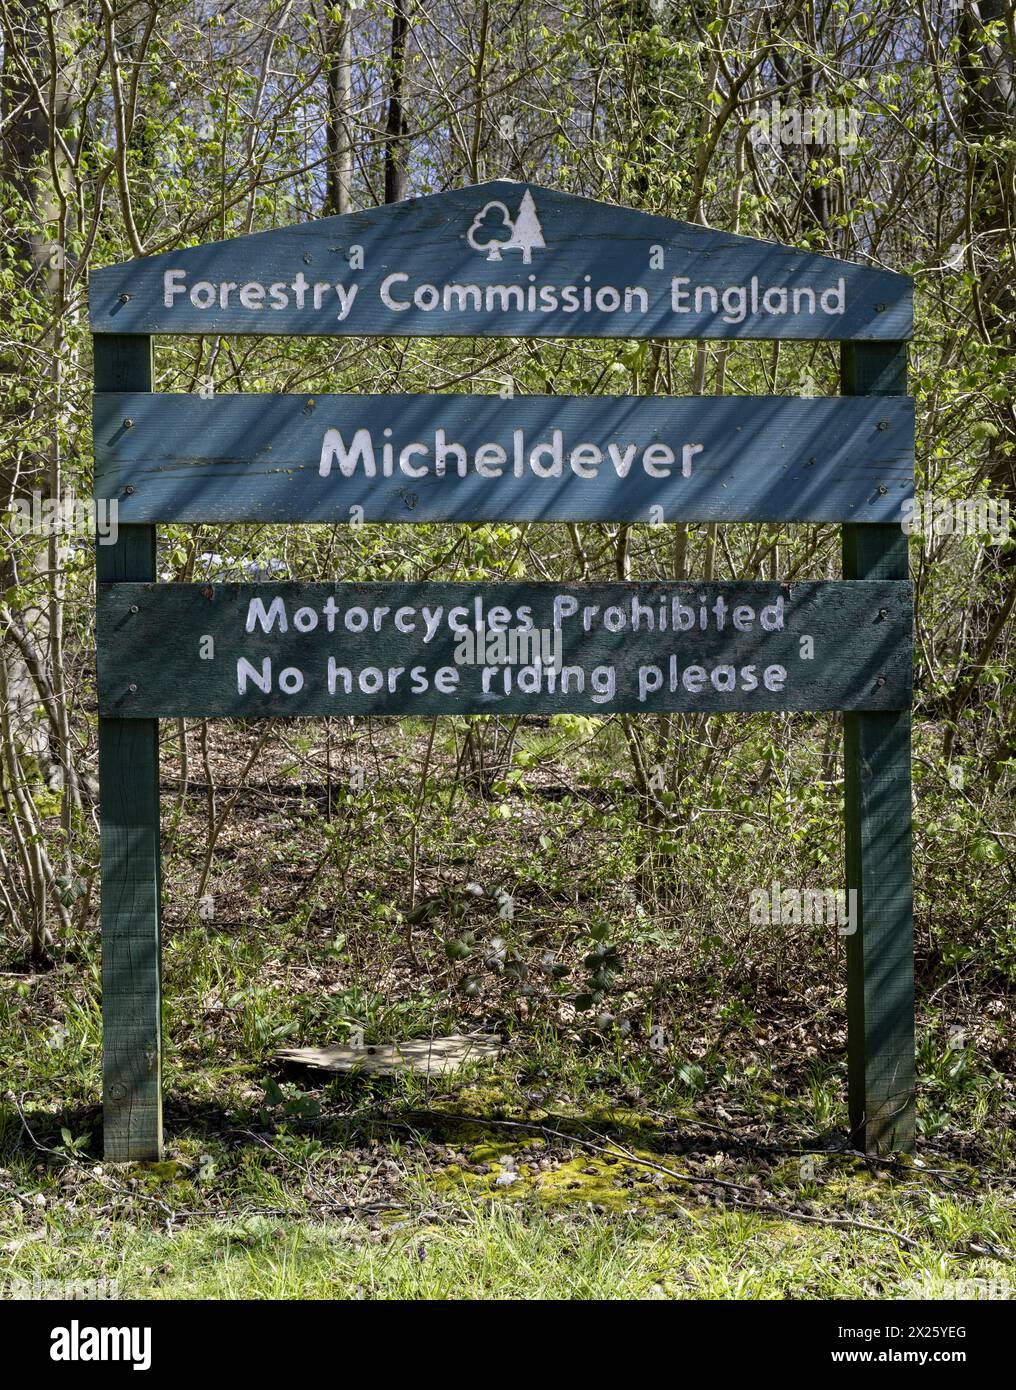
494,230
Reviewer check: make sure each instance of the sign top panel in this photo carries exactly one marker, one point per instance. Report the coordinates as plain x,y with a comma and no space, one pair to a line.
502,259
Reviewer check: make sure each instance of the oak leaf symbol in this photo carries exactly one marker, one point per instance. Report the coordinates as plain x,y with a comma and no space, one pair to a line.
499,233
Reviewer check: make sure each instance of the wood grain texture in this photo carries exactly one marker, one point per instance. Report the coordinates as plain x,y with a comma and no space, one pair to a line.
150,637
130,855
878,819
259,458
131,970
426,1056
435,241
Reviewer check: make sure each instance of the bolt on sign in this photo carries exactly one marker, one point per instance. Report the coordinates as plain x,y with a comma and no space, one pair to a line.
506,259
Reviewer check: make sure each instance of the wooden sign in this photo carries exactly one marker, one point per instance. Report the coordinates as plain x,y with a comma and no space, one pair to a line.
529,458
254,650
502,259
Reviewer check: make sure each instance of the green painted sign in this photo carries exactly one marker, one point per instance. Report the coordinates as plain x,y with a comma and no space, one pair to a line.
254,650
480,458
501,260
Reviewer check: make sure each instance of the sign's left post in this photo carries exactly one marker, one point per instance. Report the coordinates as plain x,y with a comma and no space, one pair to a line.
130,853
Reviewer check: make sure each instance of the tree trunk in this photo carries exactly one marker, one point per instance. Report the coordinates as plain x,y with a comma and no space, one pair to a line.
32,162
339,145
397,127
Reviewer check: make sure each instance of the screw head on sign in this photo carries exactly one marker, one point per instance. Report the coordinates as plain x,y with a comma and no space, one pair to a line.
124,298
132,688
880,681
883,612
129,489
883,424
882,490
134,608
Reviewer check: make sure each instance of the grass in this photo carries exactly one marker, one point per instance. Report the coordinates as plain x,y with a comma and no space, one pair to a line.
500,1250
683,1138
391,1190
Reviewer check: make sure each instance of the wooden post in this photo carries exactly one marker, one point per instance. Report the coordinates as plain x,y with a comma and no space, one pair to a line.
880,954
130,868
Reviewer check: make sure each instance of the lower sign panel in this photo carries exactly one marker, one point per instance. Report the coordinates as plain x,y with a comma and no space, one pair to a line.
256,650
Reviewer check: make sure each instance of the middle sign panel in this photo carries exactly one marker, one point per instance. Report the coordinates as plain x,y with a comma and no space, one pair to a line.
454,458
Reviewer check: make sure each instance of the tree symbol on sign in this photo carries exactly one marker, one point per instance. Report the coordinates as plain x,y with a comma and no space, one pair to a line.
493,244
524,233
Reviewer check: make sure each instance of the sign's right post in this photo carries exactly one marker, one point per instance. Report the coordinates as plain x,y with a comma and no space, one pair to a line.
880,953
